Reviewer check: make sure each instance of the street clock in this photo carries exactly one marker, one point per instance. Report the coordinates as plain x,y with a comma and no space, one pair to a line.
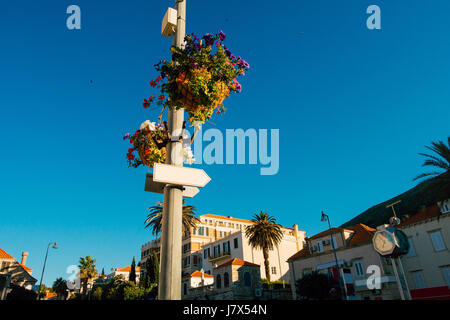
390,242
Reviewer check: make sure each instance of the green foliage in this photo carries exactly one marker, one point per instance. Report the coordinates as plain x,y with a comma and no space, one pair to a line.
132,277
139,293
316,286
427,193
154,217
277,284
87,270
60,287
20,293
264,234
97,293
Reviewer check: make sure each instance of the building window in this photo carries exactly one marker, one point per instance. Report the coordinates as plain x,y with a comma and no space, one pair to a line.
201,231
274,270
218,282
307,271
226,280
206,253
247,279
334,242
216,250
446,274
320,246
185,289
411,251
359,268
235,243
419,280
438,242
226,247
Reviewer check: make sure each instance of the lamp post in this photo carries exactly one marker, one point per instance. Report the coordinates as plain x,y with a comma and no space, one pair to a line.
169,287
325,217
55,246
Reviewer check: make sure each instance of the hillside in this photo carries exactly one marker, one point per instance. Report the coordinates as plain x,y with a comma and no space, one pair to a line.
413,200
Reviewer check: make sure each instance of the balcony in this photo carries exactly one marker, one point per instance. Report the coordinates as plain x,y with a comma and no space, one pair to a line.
219,256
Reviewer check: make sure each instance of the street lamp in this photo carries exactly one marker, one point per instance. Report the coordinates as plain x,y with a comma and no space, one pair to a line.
55,246
324,218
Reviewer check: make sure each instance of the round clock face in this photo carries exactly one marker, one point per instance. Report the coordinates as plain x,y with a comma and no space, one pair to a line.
383,242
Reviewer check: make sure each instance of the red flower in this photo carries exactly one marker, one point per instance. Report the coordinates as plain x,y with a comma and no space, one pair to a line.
132,141
136,132
159,78
161,97
152,83
130,156
147,151
130,150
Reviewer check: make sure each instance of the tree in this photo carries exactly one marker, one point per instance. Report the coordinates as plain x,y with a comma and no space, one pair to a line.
132,276
88,271
316,286
60,287
440,160
151,271
264,234
103,271
154,217
20,293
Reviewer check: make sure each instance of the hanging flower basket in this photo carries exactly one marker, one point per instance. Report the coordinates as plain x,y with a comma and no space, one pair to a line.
192,102
150,142
199,77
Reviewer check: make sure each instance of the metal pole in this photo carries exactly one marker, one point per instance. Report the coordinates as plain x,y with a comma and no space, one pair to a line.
169,287
398,279
404,277
343,291
43,269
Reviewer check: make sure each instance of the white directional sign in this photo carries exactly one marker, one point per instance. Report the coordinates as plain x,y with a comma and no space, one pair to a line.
158,187
181,176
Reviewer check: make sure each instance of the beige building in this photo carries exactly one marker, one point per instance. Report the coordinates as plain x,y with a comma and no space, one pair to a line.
355,253
235,279
217,239
427,264
125,273
13,272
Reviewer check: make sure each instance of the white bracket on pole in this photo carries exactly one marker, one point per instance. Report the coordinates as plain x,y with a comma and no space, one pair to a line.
169,23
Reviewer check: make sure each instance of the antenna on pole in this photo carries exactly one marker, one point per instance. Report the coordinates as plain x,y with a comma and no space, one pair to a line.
394,220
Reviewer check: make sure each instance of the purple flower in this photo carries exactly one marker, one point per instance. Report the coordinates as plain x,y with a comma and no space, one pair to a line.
228,53
221,35
126,136
197,46
194,65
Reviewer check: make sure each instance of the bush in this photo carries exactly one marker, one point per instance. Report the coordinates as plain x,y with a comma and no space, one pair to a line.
316,286
20,293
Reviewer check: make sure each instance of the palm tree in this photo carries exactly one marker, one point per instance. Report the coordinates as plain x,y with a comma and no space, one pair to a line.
87,271
154,217
264,234
440,160
60,287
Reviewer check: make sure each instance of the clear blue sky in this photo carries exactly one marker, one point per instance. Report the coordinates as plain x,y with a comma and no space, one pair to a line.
354,107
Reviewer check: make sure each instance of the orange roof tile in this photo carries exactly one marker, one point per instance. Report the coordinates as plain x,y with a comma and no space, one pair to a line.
29,270
327,232
428,213
361,234
5,255
238,262
128,269
198,274
302,253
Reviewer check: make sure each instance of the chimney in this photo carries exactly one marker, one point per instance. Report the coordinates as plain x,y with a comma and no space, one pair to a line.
295,227
24,258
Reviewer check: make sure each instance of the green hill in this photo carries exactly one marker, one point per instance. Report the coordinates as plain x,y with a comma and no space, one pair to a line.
413,200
